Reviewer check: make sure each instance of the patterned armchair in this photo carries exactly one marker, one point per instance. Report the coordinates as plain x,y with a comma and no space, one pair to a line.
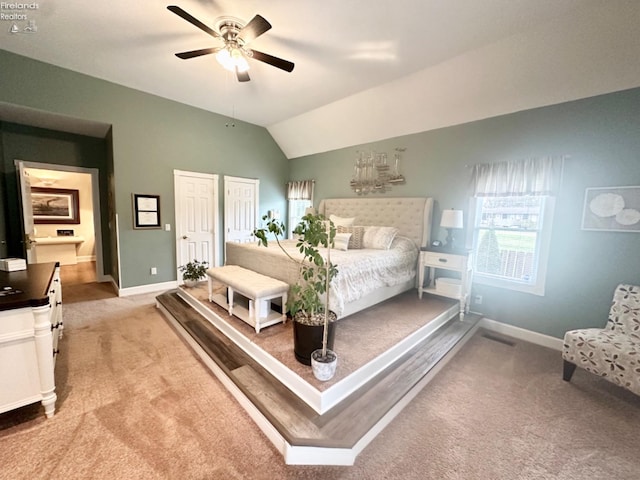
614,351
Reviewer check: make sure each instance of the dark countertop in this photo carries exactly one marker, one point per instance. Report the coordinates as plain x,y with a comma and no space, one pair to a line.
33,284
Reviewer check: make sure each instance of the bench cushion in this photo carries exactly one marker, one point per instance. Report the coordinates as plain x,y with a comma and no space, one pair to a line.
248,282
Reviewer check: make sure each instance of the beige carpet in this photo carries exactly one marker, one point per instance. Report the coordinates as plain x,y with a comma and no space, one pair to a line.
134,403
359,338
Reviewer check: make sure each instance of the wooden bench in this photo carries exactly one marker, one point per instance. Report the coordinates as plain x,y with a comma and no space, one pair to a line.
259,289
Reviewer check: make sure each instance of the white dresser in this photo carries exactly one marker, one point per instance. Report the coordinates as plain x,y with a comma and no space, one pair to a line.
30,327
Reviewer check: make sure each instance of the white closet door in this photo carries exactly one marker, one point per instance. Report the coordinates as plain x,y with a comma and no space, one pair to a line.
196,217
240,209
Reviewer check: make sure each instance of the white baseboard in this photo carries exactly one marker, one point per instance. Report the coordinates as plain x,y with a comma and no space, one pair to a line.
86,258
153,287
522,334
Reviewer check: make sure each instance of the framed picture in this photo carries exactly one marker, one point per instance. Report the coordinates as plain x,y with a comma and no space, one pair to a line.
613,209
146,211
55,205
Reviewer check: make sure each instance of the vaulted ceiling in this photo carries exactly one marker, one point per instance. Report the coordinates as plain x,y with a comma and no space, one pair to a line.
364,70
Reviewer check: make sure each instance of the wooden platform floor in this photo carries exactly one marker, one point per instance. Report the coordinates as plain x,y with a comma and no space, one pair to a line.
351,420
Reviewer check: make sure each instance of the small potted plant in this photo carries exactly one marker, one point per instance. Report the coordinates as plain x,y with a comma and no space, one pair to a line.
308,304
193,271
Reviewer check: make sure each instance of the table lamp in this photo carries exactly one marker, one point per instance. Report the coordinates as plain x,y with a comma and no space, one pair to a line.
451,219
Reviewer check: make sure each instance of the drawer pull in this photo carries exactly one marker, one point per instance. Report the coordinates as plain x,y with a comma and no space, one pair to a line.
56,352
58,303
442,260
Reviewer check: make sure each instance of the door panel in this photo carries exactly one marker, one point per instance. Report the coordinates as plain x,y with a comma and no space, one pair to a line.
196,218
27,210
241,208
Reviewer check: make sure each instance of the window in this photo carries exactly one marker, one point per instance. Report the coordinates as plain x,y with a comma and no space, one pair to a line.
296,212
512,218
300,197
511,240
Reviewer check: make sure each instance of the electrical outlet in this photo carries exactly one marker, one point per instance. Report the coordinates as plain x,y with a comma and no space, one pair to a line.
477,299
154,271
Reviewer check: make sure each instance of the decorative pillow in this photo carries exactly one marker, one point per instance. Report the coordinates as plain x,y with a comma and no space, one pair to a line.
379,238
341,221
355,242
341,241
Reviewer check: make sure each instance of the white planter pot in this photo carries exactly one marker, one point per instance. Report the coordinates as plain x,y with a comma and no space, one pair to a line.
190,283
324,368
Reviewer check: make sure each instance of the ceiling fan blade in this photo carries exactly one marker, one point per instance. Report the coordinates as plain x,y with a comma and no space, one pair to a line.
256,27
242,76
192,20
196,53
285,65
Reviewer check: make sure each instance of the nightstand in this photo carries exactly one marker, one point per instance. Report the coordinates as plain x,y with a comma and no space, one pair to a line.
456,261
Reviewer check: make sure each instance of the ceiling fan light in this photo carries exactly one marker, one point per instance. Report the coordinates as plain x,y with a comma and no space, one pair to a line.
232,58
242,64
224,58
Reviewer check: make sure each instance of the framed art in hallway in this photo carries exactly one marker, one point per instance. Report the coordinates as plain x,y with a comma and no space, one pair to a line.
612,209
146,211
55,205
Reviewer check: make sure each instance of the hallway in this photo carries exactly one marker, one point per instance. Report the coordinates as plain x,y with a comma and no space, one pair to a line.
79,284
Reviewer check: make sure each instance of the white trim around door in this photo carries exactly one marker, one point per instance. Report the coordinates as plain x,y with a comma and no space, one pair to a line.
95,197
241,207
196,228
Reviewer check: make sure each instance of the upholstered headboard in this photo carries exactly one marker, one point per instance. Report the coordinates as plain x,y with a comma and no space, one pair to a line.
410,215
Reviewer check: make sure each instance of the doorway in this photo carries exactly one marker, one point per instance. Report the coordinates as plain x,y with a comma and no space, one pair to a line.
77,245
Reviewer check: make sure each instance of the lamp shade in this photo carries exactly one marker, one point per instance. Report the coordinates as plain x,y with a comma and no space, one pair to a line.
452,219
309,211
230,58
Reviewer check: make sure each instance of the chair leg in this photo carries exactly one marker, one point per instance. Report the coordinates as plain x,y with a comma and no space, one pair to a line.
567,370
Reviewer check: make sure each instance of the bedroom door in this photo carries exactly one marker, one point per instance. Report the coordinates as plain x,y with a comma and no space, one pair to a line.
27,210
196,199
240,208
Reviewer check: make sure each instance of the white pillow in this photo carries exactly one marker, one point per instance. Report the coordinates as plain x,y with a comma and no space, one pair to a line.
341,221
341,241
357,232
379,238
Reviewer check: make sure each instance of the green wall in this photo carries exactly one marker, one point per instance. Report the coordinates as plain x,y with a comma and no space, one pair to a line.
4,251
150,137
602,137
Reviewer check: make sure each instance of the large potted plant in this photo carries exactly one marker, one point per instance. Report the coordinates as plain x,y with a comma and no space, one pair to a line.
193,271
313,321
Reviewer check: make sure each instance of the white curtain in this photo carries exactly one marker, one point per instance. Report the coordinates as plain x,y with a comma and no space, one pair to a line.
300,190
533,176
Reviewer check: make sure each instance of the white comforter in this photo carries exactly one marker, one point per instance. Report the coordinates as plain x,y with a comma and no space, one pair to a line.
360,272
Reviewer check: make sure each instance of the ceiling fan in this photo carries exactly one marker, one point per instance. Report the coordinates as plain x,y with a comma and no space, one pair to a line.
236,36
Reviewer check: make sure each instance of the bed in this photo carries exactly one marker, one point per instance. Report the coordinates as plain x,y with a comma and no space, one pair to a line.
366,275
